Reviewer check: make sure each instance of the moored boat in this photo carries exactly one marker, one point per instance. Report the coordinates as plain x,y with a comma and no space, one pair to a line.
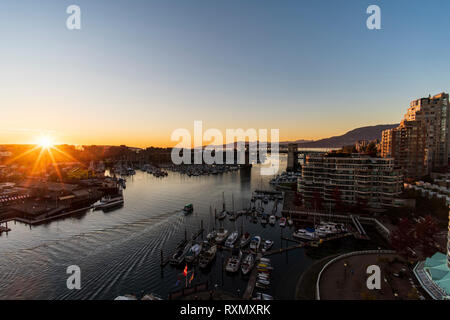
267,245
188,208
234,262
247,264
231,239
255,243
221,235
207,255
193,253
181,251
245,240
272,220
305,234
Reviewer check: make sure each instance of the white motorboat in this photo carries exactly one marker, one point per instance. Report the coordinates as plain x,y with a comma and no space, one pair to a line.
272,220
110,201
267,245
305,234
248,264
234,262
232,239
222,234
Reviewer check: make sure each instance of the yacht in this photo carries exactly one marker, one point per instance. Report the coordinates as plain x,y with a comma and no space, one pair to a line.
245,240
110,201
193,253
267,245
231,239
221,235
304,234
234,262
255,243
247,264
181,251
207,255
272,220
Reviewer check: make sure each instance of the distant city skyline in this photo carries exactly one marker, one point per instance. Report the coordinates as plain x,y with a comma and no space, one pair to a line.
138,70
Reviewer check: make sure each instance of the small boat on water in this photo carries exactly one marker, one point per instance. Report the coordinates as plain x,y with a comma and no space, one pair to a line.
234,262
207,255
264,219
108,202
255,243
305,234
283,222
212,235
222,234
245,240
181,251
267,245
189,208
232,239
247,264
193,253
272,220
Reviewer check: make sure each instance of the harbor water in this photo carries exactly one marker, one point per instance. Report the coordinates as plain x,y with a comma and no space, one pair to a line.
119,251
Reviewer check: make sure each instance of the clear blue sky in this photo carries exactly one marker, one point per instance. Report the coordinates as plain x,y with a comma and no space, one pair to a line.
139,69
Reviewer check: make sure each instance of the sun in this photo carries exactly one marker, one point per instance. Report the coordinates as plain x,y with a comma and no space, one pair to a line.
45,142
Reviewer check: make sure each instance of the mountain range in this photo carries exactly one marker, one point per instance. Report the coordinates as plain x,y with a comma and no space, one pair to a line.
349,138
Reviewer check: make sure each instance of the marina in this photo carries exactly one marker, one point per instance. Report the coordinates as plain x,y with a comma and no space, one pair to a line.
150,236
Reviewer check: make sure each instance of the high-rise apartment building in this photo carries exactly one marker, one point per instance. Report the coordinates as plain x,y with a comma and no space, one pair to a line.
356,178
420,143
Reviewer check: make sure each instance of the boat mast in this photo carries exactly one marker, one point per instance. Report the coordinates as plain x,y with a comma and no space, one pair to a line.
223,201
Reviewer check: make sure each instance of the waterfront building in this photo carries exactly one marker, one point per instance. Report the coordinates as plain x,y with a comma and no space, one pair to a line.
420,143
356,178
433,274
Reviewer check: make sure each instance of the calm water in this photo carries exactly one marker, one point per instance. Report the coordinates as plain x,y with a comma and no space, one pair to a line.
119,252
